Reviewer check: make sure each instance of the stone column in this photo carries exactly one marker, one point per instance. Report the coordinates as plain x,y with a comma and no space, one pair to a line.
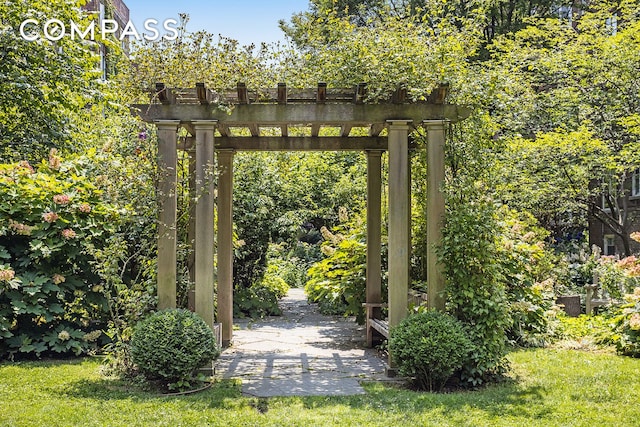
225,244
191,231
374,226
167,182
204,211
399,223
436,137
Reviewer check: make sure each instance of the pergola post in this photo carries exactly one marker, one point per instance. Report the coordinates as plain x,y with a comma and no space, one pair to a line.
167,165
191,230
374,227
225,244
436,137
399,220
204,211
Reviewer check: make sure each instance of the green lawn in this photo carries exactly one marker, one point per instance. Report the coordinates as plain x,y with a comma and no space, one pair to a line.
549,388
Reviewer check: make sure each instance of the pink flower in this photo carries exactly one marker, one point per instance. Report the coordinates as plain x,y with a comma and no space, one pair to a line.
61,199
627,262
84,208
25,165
54,159
634,271
630,265
58,278
634,321
50,217
7,275
20,229
68,233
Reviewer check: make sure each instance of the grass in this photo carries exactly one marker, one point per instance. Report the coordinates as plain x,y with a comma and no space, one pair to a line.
548,387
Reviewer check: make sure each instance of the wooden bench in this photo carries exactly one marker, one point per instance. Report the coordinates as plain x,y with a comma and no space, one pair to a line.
375,323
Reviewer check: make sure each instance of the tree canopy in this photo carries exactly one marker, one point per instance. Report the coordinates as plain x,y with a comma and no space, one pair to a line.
43,83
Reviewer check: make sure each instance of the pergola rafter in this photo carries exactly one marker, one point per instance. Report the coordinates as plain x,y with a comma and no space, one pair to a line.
211,117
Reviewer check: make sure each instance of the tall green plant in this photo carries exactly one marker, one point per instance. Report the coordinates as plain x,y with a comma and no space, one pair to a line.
475,288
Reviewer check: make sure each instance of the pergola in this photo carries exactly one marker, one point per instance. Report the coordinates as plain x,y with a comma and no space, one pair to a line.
214,132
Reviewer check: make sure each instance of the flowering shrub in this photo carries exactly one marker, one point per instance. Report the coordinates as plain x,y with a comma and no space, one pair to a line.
618,277
531,272
610,276
627,325
50,220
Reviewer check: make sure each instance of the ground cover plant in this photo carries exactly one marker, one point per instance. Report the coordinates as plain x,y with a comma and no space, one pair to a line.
545,387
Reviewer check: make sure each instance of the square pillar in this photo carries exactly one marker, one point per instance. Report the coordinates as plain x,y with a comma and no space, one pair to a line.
167,215
225,244
374,232
204,220
191,230
436,137
374,226
399,220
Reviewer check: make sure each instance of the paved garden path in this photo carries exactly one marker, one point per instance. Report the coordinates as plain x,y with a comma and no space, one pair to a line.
301,353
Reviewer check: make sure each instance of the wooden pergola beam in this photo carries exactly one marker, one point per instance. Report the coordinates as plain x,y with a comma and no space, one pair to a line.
321,96
276,115
254,129
282,93
361,93
162,93
243,96
201,93
375,129
400,94
301,143
439,94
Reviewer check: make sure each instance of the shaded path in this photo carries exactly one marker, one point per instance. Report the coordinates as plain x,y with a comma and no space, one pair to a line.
301,353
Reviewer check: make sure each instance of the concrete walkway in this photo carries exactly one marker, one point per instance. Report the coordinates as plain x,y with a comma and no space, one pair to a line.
301,353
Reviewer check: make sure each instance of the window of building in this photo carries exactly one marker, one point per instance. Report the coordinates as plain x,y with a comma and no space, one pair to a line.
635,183
609,246
612,25
565,12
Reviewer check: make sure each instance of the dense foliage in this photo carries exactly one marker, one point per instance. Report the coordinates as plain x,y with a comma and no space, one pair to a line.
170,345
338,282
627,325
475,288
429,347
51,221
569,118
554,128
534,275
45,84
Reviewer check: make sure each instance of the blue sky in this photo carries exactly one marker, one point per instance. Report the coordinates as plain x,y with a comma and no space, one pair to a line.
248,21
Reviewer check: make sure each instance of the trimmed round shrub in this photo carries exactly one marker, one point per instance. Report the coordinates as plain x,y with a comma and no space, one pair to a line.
171,344
428,347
